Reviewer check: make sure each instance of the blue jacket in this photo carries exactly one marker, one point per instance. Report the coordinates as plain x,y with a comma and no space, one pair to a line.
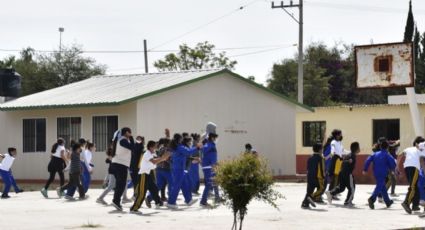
180,155
209,154
383,162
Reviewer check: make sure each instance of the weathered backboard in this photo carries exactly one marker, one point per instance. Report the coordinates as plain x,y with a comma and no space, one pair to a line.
384,65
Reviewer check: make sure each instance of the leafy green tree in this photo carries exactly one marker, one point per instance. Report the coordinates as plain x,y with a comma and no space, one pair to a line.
45,71
201,56
410,25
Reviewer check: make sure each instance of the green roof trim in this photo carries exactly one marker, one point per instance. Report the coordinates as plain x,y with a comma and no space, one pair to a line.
223,71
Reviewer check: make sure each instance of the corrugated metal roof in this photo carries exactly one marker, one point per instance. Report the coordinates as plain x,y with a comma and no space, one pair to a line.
118,89
105,90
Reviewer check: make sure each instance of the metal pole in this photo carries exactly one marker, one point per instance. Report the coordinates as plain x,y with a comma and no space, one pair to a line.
300,22
61,29
300,56
145,46
414,111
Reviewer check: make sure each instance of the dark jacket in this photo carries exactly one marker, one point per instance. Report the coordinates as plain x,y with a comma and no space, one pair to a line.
315,167
136,155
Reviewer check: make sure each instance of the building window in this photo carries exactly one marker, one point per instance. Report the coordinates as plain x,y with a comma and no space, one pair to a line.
389,128
313,131
34,135
103,130
69,128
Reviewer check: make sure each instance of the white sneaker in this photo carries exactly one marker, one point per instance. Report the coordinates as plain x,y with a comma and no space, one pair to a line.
329,197
172,206
101,201
193,201
380,200
59,192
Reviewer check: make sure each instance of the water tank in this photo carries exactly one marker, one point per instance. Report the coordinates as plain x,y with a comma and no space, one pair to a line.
10,83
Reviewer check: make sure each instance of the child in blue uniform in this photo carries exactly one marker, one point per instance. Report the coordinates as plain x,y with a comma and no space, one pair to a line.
5,165
194,167
315,177
178,157
383,162
209,160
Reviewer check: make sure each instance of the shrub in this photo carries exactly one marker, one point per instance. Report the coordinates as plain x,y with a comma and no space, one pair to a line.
242,179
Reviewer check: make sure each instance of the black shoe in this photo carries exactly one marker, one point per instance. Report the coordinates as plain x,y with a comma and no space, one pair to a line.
319,201
371,203
20,190
335,198
305,206
5,196
117,206
389,203
311,201
164,199
406,208
416,209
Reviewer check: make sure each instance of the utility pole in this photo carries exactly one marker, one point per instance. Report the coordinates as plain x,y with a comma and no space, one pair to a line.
145,51
300,22
61,30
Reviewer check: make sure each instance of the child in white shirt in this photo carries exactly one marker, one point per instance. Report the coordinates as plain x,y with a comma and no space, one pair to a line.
146,177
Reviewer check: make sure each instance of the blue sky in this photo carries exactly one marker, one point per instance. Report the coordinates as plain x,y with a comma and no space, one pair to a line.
122,25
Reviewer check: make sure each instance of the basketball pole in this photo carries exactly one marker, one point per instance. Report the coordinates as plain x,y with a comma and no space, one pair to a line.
414,111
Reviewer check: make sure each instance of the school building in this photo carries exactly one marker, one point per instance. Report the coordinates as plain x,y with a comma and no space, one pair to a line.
362,123
148,103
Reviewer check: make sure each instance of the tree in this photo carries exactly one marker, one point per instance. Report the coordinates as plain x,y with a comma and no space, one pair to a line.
45,71
242,180
410,25
200,57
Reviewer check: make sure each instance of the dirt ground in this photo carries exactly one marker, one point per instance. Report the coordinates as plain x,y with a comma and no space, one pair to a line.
29,210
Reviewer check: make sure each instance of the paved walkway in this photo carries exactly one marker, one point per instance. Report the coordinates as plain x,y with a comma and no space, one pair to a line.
30,210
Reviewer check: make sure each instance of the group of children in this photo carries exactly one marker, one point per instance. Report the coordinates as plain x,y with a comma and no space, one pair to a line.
170,164
78,161
331,163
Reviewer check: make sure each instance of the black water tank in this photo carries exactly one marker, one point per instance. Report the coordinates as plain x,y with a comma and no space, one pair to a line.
10,83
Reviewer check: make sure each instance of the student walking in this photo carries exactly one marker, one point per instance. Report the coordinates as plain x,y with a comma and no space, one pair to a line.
315,177
209,161
110,181
88,165
178,157
56,165
382,164
136,155
146,177
163,170
337,151
74,173
83,145
120,163
194,166
346,178
7,160
411,168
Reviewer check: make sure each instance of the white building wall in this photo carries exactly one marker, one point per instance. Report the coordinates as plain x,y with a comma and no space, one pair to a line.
34,165
242,112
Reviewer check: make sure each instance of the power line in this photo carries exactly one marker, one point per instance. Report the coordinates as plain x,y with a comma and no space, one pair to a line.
206,24
261,51
356,7
151,51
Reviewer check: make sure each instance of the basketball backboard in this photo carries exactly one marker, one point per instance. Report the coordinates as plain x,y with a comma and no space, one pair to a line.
384,65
